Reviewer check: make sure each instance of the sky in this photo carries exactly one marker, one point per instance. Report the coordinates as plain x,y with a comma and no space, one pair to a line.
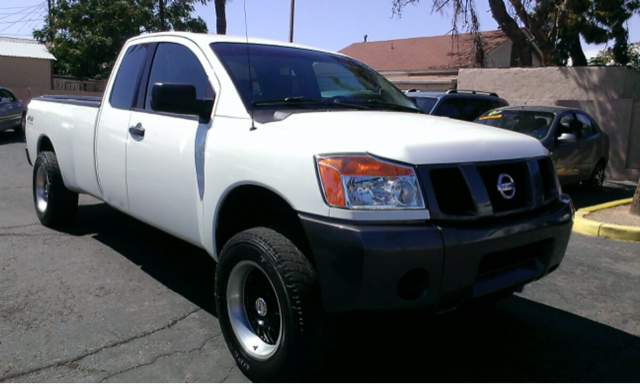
327,24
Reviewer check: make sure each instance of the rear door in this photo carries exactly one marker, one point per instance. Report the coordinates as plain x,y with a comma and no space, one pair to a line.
589,137
112,134
165,151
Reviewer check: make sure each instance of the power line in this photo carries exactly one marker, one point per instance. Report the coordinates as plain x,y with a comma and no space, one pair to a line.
11,24
30,9
25,7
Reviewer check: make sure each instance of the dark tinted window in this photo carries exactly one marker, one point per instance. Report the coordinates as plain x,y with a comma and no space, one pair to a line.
127,78
462,108
175,63
425,103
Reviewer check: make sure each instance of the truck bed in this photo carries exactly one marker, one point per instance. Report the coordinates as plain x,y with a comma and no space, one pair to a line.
69,123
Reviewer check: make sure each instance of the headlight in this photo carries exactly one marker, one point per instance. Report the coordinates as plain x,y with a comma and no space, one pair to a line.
362,182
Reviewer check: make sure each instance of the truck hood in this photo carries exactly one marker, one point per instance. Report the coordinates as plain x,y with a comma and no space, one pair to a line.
410,138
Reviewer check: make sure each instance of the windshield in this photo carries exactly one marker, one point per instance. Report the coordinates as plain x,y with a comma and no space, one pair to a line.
425,103
295,78
532,123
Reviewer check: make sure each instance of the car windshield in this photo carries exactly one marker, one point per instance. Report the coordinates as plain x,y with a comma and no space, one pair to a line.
425,103
293,78
531,123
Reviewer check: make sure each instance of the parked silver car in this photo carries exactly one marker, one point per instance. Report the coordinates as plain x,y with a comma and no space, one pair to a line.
579,148
12,112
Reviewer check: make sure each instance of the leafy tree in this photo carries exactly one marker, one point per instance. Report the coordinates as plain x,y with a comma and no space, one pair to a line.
607,57
552,27
86,36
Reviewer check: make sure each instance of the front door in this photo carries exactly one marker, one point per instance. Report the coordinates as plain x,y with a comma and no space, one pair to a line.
566,151
164,151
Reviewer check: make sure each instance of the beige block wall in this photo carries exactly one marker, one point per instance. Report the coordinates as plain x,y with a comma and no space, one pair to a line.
610,95
19,72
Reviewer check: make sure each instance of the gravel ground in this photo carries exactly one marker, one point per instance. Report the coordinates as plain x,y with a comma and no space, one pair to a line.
112,299
616,215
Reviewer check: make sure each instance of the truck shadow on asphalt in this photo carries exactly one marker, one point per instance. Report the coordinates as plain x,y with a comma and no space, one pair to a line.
516,340
610,191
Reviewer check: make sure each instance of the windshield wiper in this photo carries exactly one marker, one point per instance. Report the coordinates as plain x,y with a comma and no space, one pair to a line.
307,100
396,107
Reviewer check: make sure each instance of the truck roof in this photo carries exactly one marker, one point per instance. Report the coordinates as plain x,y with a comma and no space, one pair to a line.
206,39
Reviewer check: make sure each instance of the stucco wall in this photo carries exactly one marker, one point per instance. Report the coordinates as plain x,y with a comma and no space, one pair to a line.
18,72
610,95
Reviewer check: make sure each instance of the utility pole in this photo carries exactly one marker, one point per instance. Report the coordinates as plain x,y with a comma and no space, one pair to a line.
50,21
161,9
293,8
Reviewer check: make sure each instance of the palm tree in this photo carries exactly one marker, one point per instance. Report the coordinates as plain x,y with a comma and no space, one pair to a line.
635,204
221,17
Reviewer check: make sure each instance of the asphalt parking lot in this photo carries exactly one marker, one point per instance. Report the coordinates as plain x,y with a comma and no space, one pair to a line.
112,299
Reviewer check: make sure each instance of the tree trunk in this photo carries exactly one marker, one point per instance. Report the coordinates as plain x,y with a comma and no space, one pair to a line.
578,59
221,17
512,30
635,204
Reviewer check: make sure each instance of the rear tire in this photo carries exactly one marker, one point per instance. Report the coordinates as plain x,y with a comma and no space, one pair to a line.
55,204
268,306
597,177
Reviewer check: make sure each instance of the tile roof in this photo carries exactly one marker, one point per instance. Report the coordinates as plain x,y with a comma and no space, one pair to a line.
10,46
422,53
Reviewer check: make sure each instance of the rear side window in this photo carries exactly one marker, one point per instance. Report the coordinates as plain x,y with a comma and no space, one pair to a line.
425,103
462,108
176,64
587,128
127,78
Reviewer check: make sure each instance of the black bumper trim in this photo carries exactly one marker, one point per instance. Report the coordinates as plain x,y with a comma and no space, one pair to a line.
363,266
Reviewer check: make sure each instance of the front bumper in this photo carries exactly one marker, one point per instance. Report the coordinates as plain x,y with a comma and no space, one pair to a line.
369,266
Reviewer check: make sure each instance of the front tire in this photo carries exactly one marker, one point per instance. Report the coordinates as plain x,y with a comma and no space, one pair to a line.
267,305
55,204
20,129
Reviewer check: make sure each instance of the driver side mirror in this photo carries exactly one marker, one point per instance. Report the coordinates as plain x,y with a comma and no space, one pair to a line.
180,99
5,100
567,138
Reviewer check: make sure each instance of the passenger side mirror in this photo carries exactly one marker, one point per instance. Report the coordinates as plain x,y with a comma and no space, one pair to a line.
180,99
5,100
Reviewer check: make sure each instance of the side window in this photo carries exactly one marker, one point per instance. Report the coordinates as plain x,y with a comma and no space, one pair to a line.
175,63
7,94
566,125
448,108
472,108
587,125
124,87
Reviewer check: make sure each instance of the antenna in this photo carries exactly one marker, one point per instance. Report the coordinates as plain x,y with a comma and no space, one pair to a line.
246,34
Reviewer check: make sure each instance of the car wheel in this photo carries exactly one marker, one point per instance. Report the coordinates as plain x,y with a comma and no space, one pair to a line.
597,178
20,129
55,204
267,304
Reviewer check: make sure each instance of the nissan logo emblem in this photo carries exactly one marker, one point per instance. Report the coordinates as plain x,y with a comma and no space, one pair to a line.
506,186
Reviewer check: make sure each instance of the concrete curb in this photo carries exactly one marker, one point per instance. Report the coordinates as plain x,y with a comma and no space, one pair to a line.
612,231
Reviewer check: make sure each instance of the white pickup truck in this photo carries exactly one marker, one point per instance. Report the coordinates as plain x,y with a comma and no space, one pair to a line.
315,184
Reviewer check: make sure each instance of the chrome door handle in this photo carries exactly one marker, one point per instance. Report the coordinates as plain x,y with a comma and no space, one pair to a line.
137,130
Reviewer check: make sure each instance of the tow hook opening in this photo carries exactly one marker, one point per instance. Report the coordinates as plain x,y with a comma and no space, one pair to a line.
414,285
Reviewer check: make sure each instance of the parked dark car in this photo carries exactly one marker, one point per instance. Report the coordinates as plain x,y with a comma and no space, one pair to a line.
455,103
12,112
579,148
